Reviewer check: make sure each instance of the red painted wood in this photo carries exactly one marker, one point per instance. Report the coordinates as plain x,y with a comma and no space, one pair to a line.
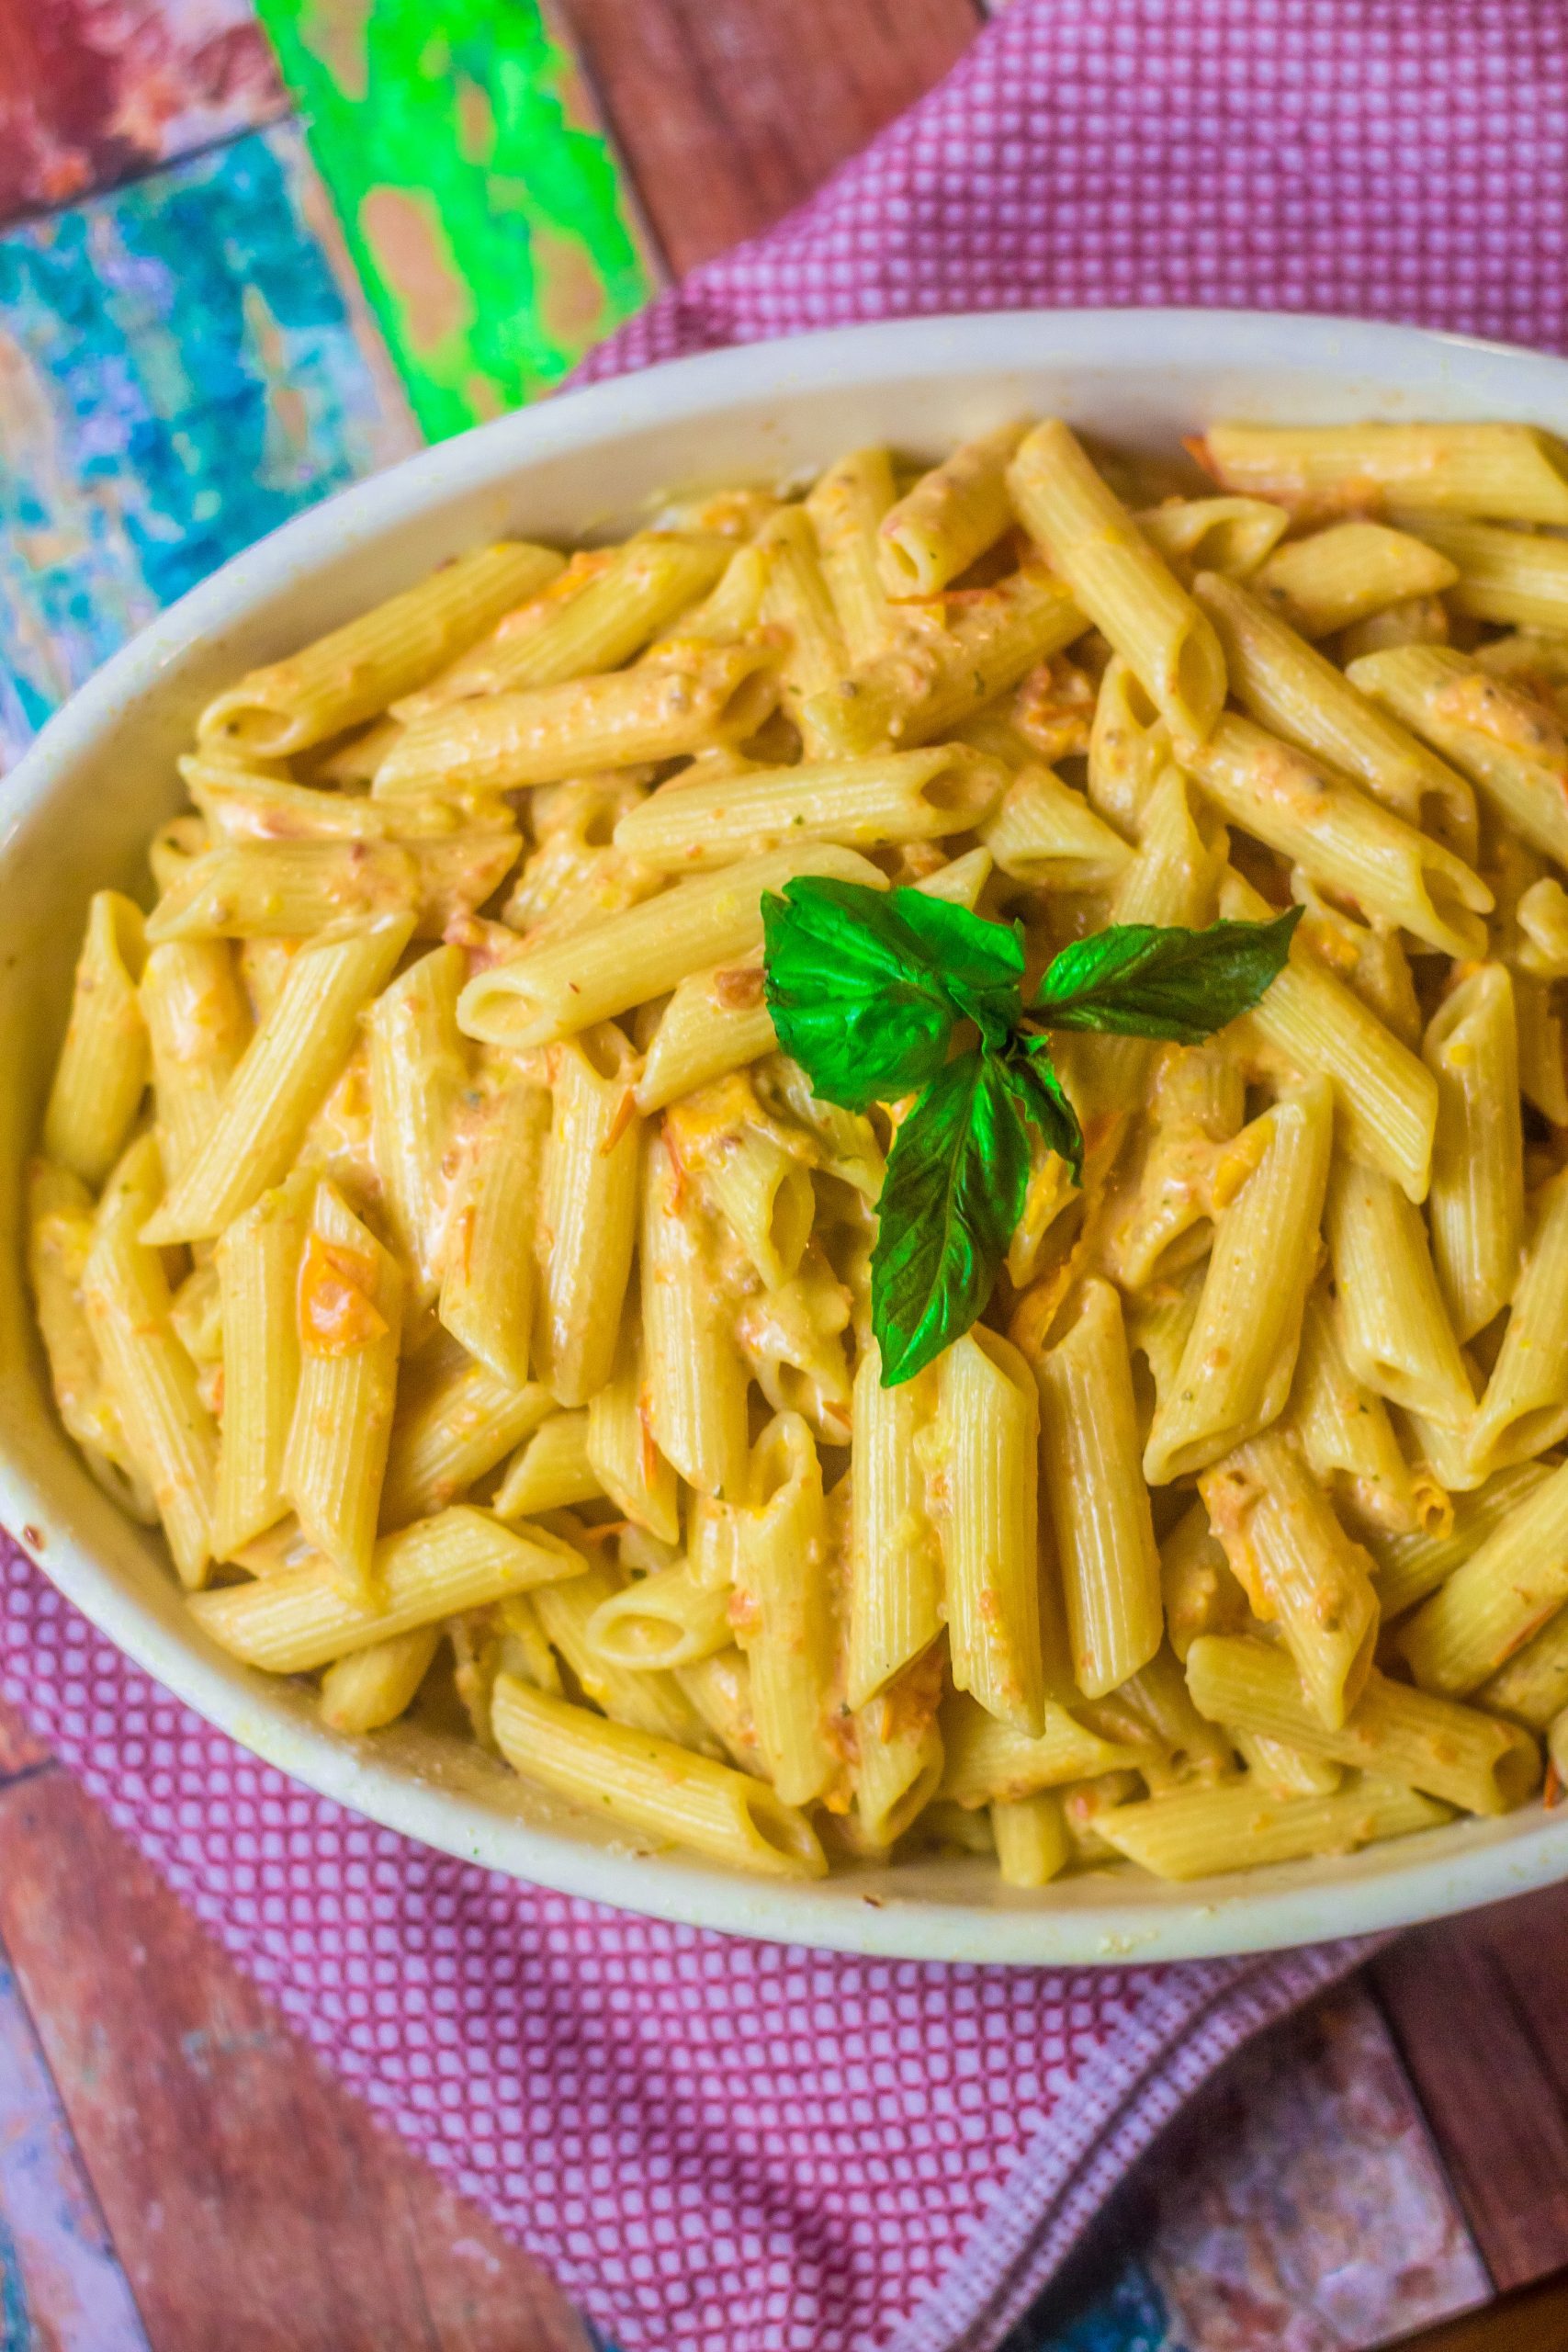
18,1748
730,111
93,92
253,2201
1480,2011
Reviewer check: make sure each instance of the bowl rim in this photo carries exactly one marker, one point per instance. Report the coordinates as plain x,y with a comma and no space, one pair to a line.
1447,1871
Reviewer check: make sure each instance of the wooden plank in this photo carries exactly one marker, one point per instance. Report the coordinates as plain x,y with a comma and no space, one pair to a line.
251,2201
482,205
92,93
59,2282
1476,2005
1534,2320
730,111
20,1749
182,367
1302,2181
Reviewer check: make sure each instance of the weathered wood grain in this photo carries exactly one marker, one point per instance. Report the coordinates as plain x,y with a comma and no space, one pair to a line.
182,367
93,92
1534,2320
60,2286
483,207
252,2201
728,115
1478,2008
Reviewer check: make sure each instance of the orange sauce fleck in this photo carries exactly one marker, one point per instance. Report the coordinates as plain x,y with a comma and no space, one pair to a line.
337,1314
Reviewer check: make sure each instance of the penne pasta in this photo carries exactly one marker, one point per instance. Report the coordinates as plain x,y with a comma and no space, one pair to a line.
372,1688
1504,739
590,616
1520,578
151,1381
1511,1585
1385,1100
281,1080
1410,1566
1346,1434
350,1303
1098,1503
685,696
1335,578
60,1236
625,1461
935,677
488,1275
696,1380
1118,580
1469,1760
552,992
847,506
950,518
986,1446
299,1617
105,1062
456,1181
1398,1338
1297,1566
197,1027
449,1433
257,1260
1351,847
355,672
1514,471
587,1210
1287,685
862,804
418,1075
1476,1205
651,1784
549,1471
1525,1407
1236,1365
1229,535
1240,1826
895,1574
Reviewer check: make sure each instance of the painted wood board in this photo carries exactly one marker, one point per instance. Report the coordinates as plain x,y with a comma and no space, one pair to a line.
251,2201
727,116
61,2282
1298,2205
1479,2010
182,368
94,92
484,209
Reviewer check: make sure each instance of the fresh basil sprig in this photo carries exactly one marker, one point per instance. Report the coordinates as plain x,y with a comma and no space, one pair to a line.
868,990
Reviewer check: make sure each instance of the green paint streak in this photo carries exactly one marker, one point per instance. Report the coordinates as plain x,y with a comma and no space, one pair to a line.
488,223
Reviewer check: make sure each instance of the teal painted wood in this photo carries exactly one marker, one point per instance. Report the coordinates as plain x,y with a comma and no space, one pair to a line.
61,2285
1129,2315
184,364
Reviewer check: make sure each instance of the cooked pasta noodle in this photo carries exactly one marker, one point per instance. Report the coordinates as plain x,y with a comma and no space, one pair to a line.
429,1230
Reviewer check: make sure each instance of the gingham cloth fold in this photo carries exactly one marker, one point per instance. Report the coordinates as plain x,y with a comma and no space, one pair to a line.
720,2144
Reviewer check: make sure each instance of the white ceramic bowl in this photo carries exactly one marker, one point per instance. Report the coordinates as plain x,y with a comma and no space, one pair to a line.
76,814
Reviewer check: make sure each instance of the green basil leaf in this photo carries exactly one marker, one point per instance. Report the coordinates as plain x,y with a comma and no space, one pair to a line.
954,1193
864,994
1043,1100
980,964
1145,980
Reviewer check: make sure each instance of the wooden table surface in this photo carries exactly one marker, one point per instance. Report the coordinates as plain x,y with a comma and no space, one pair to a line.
219,2189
